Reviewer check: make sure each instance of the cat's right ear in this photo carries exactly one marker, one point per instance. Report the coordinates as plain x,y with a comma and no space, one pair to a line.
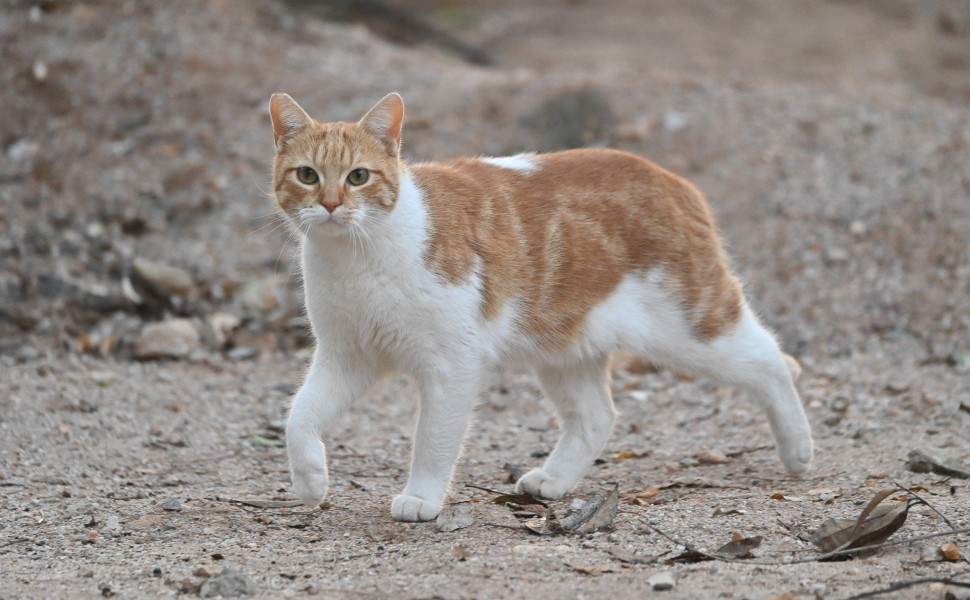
288,118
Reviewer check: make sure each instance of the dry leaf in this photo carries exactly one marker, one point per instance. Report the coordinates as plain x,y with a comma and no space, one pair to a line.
591,569
623,555
874,525
268,503
718,512
740,547
595,515
949,551
454,518
520,499
642,498
777,496
630,454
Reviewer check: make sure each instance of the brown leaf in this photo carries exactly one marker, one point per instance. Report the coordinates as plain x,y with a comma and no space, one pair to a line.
740,547
268,503
596,514
591,569
519,499
641,498
874,525
949,551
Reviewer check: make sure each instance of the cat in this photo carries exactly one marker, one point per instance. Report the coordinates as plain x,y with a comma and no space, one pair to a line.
443,269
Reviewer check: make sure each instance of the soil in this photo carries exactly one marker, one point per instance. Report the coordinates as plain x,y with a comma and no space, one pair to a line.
832,139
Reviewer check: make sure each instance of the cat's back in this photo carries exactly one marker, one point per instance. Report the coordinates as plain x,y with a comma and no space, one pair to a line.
557,232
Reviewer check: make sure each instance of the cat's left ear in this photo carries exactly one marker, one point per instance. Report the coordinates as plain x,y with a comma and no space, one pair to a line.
288,118
384,121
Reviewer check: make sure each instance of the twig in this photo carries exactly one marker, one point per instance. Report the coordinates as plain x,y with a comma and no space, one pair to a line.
908,584
14,541
923,502
484,489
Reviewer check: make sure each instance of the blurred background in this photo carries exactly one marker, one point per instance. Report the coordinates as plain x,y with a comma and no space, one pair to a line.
830,136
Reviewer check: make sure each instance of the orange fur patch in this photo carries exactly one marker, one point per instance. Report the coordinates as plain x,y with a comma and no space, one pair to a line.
558,240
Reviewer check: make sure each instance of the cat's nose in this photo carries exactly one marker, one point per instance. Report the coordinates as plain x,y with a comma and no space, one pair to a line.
330,203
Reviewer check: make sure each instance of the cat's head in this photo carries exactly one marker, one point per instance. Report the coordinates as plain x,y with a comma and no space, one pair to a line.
333,178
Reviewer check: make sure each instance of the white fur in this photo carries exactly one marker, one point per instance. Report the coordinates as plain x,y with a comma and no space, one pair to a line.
376,308
524,163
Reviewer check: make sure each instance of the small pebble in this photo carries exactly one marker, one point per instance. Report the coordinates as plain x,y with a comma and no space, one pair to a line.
664,580
172,504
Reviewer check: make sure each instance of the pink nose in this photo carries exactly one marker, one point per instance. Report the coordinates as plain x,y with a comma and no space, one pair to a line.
330,204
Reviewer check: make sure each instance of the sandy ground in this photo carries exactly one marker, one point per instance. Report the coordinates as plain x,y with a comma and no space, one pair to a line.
833,140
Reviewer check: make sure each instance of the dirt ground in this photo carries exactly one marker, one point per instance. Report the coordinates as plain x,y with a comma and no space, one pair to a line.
832,138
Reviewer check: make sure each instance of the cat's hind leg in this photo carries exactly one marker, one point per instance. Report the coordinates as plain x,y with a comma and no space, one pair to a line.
583,402
749,356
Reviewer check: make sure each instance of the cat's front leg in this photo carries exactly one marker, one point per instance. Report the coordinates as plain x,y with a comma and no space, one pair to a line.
447,401
328,388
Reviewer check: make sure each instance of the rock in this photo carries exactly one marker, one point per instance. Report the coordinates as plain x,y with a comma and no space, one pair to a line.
711,457
662,581
164,279
243,353
454,518
172,504
228,584
925,460
220,326
173,338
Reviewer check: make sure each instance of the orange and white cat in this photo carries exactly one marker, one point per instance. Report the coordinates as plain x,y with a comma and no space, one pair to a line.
441,270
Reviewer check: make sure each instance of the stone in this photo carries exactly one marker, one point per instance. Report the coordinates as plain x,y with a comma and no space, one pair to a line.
711,457
662,581
172,338
228,584
163,278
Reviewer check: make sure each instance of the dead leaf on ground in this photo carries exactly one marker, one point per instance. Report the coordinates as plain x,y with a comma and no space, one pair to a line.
740,547
949,551
454,518
596,514
518,499
722,512
591,569
641,498
623,555
630,454
257,503
874,525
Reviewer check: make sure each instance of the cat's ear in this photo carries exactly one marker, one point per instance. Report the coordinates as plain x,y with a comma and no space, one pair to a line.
384,121
288,118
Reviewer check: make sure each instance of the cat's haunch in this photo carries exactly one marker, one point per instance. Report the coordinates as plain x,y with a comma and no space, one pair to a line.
441,270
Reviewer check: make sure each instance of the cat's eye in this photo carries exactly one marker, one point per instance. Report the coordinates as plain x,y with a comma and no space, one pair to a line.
358,176
307,175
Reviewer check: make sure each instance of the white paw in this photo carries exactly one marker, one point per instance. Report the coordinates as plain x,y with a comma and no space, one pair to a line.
412,508
796,455
310,484
540,484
